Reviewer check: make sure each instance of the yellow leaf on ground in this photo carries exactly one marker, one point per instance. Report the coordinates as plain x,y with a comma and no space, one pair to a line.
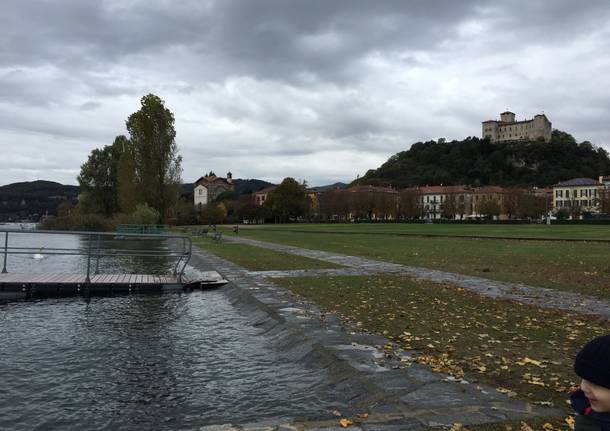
547,426
527,360
570,421
345,422
507,392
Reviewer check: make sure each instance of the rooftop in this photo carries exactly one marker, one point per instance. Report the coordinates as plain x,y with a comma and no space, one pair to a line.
576,182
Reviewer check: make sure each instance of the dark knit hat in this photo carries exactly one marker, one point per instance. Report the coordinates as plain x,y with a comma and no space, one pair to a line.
593,361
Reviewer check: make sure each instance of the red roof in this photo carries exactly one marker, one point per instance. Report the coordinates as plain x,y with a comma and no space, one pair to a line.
429,190
490,189
367,188
210,179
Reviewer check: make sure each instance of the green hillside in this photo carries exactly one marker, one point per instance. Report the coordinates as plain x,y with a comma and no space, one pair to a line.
31,200
476,161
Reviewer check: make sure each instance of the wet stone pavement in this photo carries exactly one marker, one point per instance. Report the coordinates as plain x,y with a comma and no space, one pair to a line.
394,393
538,296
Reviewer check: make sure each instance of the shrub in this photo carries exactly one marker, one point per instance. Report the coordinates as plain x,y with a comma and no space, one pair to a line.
84,222
144,214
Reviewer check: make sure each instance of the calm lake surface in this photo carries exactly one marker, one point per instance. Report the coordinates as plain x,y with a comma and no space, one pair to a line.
171,361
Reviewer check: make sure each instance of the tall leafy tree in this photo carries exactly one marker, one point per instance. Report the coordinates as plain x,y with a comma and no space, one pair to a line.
489,207
288,200
127,181
98,180
605,201
155,153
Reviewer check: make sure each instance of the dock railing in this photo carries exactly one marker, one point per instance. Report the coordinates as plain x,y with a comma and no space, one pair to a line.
94,252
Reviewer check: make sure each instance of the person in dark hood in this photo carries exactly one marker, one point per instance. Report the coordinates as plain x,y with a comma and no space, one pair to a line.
592,399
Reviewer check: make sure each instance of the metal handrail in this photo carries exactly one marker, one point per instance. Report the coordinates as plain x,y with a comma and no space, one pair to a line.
182,255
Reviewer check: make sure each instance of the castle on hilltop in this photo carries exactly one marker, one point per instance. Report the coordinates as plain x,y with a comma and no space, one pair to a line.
507,129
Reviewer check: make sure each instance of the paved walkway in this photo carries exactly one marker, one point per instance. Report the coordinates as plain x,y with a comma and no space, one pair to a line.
395,392
538,296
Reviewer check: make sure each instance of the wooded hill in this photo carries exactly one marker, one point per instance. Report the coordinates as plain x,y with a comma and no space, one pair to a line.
477,162
31,200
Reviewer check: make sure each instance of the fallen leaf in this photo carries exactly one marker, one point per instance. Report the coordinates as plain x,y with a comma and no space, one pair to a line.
345,422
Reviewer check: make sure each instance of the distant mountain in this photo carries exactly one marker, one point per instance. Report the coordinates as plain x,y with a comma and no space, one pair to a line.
475,161
241,186
330,187
31,200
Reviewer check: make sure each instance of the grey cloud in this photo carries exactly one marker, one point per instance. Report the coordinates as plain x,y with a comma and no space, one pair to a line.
282,80
90,105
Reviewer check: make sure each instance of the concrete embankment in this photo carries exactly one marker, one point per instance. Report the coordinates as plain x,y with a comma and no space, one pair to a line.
373,389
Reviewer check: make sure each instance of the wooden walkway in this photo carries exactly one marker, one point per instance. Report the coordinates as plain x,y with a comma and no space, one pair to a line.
62,278
14,286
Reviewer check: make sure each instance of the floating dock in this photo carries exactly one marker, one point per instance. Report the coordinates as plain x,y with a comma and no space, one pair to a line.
96,246
30,286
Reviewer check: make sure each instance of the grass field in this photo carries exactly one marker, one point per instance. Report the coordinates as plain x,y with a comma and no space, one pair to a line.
524,351
582,267
258,259
534,231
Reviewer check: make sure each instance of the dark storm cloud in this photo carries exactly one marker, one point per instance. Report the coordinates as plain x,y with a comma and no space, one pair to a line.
330,86
269,39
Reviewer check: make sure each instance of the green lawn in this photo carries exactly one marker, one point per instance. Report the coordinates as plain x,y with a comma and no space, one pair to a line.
258,259
581,267
584,232
522,350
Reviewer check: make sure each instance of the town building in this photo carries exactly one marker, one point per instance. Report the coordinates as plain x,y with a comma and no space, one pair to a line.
209,187
445,201
261,196
373,202
578,195
508,129
482,196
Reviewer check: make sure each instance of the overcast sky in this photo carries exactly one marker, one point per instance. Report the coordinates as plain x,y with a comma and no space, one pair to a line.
317,90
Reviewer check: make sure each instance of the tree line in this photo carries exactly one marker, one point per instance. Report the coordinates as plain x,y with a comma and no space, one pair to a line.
291,201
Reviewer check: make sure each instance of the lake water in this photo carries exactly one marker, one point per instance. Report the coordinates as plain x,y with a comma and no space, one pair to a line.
170,361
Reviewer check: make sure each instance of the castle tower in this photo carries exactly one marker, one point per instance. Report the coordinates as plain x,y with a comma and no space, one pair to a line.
507,117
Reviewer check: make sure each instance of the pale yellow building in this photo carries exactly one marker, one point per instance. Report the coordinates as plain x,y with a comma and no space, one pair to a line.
583,194
507,129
